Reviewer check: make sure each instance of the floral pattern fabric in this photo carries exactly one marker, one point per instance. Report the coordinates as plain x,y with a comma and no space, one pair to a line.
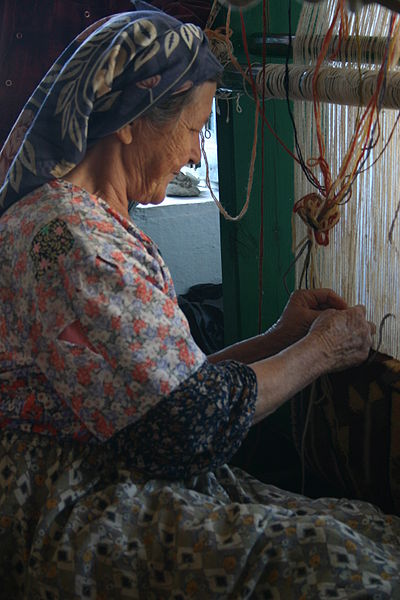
96,315
199,426
114,428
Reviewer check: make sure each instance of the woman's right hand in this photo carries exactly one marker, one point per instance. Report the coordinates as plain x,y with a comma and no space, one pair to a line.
336,340
344,337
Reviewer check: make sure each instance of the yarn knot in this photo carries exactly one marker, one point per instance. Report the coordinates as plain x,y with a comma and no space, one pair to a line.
310,209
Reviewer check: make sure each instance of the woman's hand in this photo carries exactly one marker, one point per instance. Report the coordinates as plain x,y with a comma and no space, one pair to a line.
303,307
337,339
344,337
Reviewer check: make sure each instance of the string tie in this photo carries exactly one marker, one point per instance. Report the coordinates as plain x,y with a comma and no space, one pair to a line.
220,43
309,208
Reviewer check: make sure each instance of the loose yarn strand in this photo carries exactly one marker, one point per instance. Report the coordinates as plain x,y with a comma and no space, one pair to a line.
245,207
362,155
261,234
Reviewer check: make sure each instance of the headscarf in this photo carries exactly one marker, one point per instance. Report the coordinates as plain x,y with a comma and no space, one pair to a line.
107,77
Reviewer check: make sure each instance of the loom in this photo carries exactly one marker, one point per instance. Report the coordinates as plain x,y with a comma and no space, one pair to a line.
353,4
361,262
346,427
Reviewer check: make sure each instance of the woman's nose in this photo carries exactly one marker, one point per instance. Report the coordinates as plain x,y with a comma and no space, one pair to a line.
195,155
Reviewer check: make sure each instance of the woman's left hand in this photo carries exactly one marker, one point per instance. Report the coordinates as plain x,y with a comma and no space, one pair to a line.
303,307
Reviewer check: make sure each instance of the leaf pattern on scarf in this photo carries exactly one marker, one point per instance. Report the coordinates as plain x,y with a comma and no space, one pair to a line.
105,103
146,56
172,40
16,175
65,95
195,30
65,120
107,65
187,36
75,132
27,157
144,32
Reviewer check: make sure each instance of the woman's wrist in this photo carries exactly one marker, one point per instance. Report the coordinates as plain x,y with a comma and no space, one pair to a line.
262,346
286,373
253,349
272,341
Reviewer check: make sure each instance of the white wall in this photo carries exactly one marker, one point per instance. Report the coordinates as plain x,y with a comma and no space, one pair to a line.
187,234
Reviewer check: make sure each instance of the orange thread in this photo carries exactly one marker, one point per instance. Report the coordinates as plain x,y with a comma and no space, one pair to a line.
320,211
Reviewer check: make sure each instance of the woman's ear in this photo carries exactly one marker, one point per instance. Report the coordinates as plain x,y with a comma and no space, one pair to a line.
125,134
133,131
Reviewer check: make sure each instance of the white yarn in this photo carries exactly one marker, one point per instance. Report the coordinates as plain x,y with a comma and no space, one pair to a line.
360,262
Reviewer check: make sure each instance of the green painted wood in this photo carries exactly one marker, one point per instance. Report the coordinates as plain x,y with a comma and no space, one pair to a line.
277,460
240,241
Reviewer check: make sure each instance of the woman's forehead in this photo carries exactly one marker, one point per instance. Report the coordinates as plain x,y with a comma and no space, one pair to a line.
201,102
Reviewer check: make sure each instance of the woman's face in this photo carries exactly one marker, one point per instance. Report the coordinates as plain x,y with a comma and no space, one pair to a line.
160,153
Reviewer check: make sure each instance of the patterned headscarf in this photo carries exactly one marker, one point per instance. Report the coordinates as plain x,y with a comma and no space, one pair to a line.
107,77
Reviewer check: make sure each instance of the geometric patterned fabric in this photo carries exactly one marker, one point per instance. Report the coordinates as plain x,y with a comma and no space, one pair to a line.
81,524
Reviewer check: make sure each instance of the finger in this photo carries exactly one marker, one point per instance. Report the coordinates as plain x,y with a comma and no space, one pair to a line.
324,298
361,307
372,327
333,300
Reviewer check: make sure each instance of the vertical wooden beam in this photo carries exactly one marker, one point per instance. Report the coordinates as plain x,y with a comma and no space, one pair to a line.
240,241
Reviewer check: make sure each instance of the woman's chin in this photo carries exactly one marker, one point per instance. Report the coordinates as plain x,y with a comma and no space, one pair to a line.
158,198
154,197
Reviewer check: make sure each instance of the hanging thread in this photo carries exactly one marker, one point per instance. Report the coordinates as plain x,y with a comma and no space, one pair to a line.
362,258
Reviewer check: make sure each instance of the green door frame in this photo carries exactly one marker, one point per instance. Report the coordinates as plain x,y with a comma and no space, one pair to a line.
240,240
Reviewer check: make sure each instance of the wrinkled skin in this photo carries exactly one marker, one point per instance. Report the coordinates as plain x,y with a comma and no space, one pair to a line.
316,334
342,332
303,307
345,337
142,159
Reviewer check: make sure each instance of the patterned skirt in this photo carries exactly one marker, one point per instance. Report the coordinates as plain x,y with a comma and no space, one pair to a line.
79,523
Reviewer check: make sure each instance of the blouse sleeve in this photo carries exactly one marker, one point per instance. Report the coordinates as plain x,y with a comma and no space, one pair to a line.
99,319
106,329
199,426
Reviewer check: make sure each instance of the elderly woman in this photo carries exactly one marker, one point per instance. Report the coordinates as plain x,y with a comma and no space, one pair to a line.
115,428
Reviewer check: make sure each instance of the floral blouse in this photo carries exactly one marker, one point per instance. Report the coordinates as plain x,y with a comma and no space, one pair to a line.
94,347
